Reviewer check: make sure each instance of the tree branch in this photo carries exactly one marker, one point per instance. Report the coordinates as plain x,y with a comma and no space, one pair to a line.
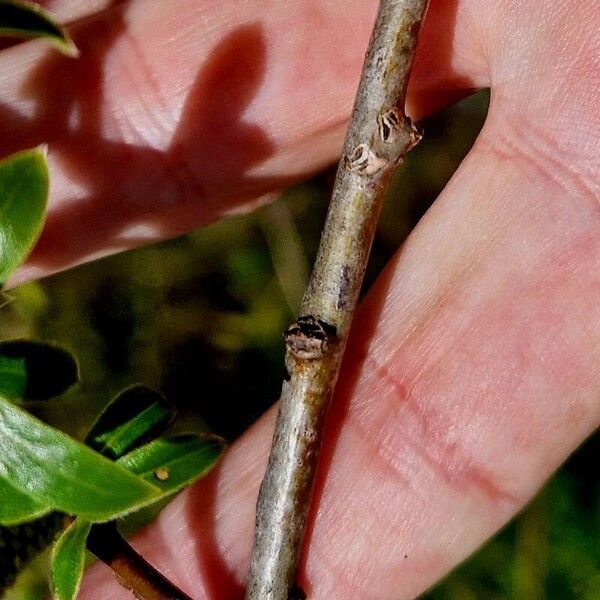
131,570
379,137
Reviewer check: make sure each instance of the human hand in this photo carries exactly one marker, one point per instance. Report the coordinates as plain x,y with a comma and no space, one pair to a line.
474,371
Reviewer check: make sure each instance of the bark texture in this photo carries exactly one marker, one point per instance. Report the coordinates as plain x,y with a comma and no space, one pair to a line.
379,137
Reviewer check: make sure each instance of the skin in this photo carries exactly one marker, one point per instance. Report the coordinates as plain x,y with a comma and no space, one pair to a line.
473,371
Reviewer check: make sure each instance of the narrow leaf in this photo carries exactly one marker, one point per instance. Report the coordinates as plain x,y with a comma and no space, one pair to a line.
68,560
19,18
54,468
17,507
136,415
35,371
173,462
23,199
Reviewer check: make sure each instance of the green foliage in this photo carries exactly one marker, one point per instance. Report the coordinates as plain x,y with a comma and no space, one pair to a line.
68,560
44,470
63,473
49,470
174,462
23,199
35,371
135,416
28,20
18,507
170,464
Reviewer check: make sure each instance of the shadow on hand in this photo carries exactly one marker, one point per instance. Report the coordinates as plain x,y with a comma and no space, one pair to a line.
133,194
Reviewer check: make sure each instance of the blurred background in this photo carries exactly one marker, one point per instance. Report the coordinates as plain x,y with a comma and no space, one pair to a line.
201,319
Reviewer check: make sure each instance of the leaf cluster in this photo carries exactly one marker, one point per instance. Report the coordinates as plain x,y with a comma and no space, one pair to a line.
52,485
121,467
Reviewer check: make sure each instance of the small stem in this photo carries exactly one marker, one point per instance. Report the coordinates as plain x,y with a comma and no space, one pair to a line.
379,137
132,570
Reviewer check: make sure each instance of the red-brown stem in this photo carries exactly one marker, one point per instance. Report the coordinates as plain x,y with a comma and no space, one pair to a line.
131,570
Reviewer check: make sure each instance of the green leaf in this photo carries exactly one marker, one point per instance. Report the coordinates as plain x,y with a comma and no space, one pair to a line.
68,560
35,371
17,507
23,199
54,468
28,20
136,415
173,462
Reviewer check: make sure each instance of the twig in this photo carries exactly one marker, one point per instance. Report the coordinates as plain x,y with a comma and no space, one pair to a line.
379,137
132,570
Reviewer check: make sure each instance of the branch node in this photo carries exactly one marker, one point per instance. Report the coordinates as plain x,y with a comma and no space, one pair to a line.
390,124
364,161
415,135
310,338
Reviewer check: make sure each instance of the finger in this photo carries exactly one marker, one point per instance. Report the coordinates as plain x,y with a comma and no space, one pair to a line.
67,11
179,112
472,371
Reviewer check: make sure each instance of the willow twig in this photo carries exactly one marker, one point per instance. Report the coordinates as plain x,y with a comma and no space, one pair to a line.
379,137
131,570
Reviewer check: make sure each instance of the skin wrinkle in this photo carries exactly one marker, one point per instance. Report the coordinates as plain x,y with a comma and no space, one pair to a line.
135,65
451,461
529,146
412,536
381,454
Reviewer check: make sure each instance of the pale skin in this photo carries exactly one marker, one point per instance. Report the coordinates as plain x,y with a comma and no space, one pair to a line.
474,370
